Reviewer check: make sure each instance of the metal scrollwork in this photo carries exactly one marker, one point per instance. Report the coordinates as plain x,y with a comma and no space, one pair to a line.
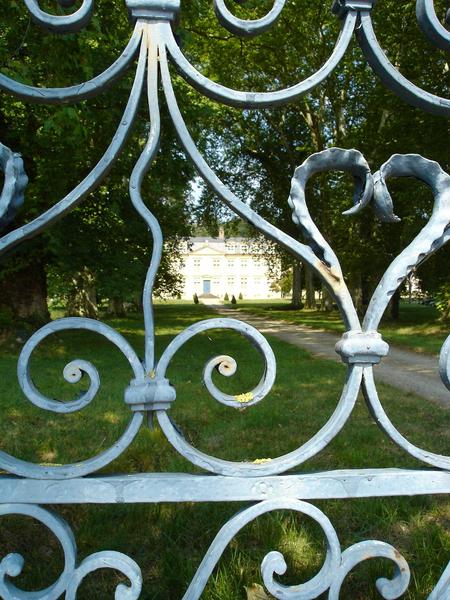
150,393
11,566
72,373
337,565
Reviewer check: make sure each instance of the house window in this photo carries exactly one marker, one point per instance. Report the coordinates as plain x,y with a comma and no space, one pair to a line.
231,264
231,281
244,264
244,281
244,249
196,263
216,263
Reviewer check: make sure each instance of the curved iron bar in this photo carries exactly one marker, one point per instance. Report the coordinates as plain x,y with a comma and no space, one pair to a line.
444,363
392,78
335,285
75,369
12,564
336,159
383,421
243,99
95,176
270,466
247,28
61,23
140,170
108,560
225,364
73,372
81,91
16,180
432,237
72,576
430,24
442,587
274,561
356,554
335,568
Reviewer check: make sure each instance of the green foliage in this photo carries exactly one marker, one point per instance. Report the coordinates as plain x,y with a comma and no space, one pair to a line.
226,297
241,297
256,152
443,301
233,299
61,144
195,298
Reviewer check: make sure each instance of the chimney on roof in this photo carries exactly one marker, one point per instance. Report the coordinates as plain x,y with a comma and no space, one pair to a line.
221,233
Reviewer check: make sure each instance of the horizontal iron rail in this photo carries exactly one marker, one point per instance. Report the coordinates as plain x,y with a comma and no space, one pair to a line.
180,487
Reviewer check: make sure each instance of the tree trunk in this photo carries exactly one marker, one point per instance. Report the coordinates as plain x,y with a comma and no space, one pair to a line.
23,293
116,307
327,300
395,306
82,300
297,285
310,292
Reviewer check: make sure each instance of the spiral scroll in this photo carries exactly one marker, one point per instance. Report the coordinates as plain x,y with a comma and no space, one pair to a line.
70,579
226,365
73,372
335,568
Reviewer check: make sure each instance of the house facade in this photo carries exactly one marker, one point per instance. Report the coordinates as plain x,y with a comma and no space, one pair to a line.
219,266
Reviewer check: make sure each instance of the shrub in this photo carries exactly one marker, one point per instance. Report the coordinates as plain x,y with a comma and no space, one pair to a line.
443,302
226,298
241,297
196,299
233,300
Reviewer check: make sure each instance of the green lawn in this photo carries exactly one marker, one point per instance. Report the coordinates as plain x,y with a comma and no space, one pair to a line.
168,541
418,328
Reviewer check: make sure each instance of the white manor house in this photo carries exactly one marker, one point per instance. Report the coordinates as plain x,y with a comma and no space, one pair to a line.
219,266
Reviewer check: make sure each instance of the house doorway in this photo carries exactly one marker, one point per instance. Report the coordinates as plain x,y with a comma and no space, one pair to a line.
207,286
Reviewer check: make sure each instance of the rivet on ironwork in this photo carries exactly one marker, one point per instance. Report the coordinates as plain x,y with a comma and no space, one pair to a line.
150,394
153,10
341,7
362,348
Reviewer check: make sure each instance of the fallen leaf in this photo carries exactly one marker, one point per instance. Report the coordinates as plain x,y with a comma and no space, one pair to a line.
256,592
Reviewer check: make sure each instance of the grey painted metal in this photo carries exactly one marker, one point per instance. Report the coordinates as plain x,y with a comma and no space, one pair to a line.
61,23
15,182
244,27
181,487
82,91
431,25
150,393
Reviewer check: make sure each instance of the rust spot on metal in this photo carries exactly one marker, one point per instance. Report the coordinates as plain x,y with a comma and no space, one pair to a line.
329,274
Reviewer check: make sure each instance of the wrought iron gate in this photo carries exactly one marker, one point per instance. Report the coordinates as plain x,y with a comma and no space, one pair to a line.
27,486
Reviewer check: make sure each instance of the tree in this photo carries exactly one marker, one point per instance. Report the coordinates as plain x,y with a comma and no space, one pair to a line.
102,244
256,151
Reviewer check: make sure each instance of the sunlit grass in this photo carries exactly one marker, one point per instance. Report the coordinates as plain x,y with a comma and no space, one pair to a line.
418,328
169,541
